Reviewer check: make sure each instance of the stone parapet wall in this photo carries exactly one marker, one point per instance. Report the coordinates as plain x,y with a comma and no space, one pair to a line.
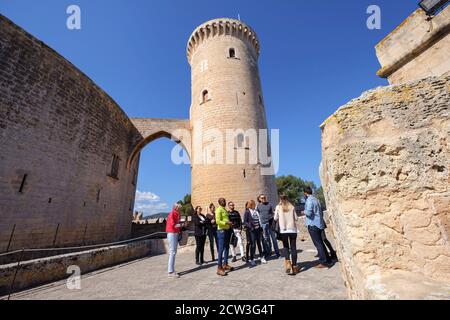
417,49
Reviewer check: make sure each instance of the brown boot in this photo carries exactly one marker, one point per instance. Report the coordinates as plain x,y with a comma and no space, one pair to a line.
295,270
227,267
287,266
220,271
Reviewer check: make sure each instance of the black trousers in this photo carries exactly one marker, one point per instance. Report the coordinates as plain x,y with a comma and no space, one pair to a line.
253,241
212,236
200,248
316,237
290,246
328,245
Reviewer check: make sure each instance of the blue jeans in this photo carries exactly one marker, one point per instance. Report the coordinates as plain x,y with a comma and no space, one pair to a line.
268,236
223,239
316,237
172,238
254,237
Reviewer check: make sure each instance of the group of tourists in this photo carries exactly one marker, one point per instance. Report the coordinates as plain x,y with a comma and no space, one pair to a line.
263,225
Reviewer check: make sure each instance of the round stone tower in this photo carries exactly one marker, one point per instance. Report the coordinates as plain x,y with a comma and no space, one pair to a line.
227,109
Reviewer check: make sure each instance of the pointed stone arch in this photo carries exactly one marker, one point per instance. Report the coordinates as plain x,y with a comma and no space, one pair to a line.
150,129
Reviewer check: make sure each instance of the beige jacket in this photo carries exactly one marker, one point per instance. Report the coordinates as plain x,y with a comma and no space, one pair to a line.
286,220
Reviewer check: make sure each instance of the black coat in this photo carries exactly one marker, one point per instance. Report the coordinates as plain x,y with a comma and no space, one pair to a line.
248,220
235,219
199,225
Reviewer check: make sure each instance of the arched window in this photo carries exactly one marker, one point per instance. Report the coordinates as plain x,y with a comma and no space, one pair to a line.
240,140
232,53
205,96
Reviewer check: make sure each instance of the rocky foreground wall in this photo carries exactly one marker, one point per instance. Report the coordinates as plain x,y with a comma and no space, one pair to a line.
385,171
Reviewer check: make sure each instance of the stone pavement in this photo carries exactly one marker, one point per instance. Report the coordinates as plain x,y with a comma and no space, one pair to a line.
147,279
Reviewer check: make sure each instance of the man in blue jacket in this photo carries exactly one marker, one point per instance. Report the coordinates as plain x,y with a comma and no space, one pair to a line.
315,225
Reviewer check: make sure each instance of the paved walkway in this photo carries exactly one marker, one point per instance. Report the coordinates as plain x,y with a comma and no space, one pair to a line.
147,279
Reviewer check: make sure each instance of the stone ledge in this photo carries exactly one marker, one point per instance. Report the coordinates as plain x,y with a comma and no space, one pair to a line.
45,270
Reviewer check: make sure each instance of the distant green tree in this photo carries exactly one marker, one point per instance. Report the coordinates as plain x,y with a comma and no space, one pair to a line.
292,187
186,206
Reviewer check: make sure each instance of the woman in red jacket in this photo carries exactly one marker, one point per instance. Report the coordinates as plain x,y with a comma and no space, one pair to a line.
173,228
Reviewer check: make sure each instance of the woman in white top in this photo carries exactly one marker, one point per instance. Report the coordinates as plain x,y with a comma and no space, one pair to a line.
286,217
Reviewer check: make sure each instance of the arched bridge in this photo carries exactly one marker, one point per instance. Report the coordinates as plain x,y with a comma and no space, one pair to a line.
151,129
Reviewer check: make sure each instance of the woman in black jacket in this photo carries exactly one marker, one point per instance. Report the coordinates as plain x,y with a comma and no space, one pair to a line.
211,229
199,221
253,228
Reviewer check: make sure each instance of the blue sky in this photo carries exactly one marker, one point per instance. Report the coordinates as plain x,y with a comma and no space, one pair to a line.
315,57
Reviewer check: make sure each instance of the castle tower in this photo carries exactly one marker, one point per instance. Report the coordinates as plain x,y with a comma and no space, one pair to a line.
226,97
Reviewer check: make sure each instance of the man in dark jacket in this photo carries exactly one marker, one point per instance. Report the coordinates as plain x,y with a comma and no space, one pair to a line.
266,214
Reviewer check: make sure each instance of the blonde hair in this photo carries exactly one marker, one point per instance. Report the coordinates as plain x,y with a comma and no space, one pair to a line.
285,205
250,204
177,207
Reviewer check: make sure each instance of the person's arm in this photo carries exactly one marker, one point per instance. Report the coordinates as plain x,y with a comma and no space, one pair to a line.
170,222
176,221
309,210
276,216
247,216
239,221
295,214
271,212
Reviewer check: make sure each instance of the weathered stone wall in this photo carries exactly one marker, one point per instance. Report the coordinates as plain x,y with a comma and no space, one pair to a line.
58,135
386,177
418,48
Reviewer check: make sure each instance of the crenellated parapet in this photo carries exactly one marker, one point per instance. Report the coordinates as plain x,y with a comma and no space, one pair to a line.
220,27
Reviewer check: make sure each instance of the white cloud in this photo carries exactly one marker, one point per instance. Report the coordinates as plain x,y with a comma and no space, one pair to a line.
146,196
149,203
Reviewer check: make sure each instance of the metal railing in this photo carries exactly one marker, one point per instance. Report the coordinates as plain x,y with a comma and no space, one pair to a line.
73,249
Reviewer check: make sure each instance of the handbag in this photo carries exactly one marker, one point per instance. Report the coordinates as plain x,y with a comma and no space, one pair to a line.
234,240
276,228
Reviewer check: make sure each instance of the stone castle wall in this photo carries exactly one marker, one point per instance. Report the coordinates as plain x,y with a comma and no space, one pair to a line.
386,176
58,135
418,48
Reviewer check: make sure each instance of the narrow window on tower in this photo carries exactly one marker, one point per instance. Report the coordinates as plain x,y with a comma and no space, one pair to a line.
115,167
240,140
232,53
205,96
22,184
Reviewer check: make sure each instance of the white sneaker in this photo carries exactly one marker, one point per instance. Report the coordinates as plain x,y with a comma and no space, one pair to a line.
174,275
263,260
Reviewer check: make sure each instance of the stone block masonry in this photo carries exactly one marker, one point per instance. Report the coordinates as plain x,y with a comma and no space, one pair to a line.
59,137
386,176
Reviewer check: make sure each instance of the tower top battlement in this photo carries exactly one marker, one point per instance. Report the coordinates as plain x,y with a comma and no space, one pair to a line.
218,27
